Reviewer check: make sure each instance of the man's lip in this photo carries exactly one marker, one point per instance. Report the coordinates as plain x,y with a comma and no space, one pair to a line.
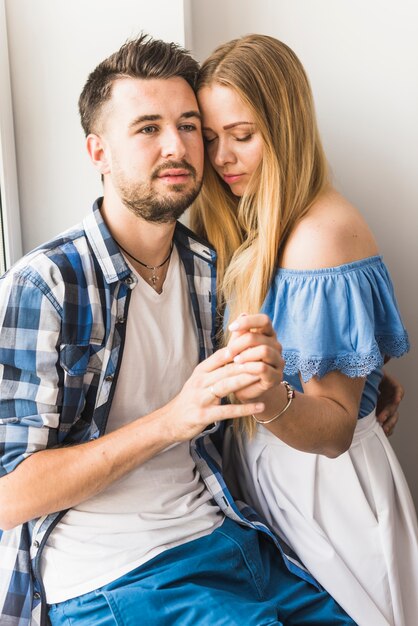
173,172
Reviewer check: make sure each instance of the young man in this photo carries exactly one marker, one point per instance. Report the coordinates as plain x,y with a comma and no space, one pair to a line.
112,501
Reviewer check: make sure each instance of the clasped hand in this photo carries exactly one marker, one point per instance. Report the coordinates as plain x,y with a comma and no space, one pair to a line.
247,367
253,346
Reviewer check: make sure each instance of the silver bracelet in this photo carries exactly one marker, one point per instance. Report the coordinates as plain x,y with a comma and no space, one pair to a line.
290,395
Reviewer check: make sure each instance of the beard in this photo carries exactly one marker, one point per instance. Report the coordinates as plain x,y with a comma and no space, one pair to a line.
149,204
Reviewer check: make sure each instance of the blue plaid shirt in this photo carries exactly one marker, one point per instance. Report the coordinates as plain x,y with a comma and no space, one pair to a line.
63,309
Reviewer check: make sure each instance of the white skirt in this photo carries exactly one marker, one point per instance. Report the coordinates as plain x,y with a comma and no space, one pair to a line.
351,520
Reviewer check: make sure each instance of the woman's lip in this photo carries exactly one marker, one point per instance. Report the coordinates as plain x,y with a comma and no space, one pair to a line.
231,178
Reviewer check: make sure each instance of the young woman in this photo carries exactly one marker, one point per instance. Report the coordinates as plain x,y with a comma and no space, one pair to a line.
290,245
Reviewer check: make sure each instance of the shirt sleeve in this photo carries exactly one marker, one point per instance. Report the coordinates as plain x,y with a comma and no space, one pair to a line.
30,326
342,318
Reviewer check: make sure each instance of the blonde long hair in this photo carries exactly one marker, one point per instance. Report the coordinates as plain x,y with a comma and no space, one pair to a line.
249,233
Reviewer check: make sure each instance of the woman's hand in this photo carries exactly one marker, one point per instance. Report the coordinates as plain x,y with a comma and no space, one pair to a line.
254,347
391,393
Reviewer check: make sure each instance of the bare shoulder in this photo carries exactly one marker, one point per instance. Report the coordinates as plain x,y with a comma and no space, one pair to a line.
333,232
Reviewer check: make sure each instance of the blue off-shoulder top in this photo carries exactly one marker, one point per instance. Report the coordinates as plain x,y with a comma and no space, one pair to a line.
342,318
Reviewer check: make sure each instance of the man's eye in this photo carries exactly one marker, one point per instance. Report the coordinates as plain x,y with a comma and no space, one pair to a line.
148,130
208,139
188,127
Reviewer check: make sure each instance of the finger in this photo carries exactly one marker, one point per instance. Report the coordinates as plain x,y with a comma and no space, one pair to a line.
398,395
251,340
213,397
224,372
268,376
382,416
389,425
218,359
387,411
230,411
237,333
234,383
215,382
264,354
259,322
233,336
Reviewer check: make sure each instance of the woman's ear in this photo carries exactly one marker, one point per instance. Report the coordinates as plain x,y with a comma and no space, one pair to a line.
97,150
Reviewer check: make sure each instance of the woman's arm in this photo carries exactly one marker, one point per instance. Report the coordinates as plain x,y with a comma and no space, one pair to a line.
323,418
320,420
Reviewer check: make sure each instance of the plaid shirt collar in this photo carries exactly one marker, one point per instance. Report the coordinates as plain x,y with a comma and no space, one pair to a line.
108,253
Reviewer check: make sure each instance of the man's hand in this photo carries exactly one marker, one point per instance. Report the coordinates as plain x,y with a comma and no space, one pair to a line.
198,403
254,347
391,393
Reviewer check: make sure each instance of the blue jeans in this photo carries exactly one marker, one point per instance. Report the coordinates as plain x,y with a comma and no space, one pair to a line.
232,577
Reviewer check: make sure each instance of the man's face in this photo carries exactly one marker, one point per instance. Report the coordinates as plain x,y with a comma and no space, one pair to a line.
153,143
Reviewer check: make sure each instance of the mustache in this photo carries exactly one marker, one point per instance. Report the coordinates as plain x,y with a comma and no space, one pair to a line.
184,165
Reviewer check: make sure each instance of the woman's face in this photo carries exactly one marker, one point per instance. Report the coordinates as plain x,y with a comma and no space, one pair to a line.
233,142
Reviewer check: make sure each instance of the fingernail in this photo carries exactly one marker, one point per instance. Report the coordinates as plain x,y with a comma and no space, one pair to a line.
260,407
234,326
228,353
237,359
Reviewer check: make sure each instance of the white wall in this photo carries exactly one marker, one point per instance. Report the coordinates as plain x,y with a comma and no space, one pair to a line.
362,59
53,45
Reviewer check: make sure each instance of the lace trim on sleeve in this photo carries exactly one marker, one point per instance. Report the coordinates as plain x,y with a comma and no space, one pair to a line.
352,365
393,345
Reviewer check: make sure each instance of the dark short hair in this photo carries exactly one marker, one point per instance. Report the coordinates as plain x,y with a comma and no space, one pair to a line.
143,57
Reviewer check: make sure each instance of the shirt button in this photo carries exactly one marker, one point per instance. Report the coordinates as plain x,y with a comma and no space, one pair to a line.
109,378
121,320
36,544
37,595
129,280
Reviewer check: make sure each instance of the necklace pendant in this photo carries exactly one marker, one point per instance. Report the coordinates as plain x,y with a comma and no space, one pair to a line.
153,280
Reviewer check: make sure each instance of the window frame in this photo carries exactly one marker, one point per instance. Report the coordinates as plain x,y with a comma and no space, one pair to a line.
8,167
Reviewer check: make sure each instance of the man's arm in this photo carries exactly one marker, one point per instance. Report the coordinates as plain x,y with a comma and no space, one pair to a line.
36,476
59,478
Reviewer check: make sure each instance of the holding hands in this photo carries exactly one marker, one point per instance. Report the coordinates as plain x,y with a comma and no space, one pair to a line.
254,347
250,365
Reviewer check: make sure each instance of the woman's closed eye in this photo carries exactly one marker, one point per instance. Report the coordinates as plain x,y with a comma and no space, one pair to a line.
209,138
245,138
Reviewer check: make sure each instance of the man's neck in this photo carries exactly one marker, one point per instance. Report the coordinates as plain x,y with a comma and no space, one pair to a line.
149,242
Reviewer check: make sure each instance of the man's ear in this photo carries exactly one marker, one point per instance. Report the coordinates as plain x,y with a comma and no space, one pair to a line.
97,150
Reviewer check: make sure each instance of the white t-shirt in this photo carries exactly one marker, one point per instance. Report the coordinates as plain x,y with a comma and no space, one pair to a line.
162,503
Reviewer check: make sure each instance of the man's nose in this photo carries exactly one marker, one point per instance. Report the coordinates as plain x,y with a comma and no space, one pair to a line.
172,144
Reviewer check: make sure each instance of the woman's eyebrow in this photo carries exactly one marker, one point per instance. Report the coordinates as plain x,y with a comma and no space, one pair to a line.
229,126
